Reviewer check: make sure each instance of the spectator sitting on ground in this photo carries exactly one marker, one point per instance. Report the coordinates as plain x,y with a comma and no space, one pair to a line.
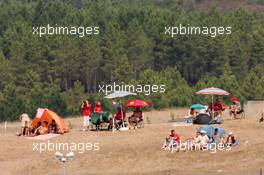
193,112
53,128
216,138
33,131
42,129
195,138
202,139
25,122
231,140
173,140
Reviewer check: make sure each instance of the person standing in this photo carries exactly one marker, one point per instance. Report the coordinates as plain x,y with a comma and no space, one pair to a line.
25,122
99,111
86,111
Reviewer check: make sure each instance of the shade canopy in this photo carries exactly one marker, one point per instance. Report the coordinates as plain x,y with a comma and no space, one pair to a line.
137,103
212,91
197,106
119,94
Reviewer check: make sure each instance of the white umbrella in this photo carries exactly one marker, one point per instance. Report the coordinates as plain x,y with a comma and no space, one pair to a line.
212,91
119,94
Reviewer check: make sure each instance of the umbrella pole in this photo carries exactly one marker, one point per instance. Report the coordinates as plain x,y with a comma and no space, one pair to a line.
113,127
213,106
122,115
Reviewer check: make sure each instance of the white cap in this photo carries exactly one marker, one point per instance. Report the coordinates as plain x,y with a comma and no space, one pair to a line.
203,132
230,133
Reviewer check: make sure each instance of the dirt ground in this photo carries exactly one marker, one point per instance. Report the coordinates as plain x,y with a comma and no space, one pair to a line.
136,151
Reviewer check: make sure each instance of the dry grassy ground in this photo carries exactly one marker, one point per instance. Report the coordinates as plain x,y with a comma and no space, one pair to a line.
137,151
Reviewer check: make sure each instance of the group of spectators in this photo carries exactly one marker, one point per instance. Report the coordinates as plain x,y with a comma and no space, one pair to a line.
212,109
200,140
45,128
86,112
40,129
119,118
216,109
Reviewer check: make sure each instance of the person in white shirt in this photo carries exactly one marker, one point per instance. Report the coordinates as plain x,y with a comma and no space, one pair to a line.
25,122
202,140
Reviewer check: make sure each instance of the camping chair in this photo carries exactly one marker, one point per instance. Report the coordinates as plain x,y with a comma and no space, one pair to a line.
105,120
141,123
241,114
105,117
95,120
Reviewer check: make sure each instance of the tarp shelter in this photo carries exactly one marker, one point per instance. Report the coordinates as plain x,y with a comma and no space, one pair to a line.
210,130
48,115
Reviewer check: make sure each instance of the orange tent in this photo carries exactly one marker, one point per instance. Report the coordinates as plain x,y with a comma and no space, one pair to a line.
48,115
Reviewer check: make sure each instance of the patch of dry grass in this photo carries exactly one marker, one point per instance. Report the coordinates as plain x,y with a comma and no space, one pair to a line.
137,151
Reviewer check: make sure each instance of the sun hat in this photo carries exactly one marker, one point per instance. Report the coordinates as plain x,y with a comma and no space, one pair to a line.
203,132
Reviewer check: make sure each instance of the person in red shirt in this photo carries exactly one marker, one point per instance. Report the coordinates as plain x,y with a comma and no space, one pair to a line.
218,108
173,140
119,119
175,137
98,108
86,111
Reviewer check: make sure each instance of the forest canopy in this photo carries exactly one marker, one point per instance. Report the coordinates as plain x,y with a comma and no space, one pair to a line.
59,71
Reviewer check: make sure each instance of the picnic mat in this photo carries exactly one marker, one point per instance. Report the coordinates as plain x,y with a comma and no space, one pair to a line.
44,137
182,124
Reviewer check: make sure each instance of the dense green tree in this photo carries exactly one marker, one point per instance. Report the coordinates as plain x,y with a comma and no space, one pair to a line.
59,71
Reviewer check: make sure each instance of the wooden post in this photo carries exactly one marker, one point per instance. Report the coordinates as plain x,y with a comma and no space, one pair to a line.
5,126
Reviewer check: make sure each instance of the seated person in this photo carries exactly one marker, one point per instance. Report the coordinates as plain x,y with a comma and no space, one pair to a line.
218,107
235,108
216,138
53,128
33,130
231,140
202,139
193,112
173,140
98,108
119,118
194,140
136,117
25,122
42,129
